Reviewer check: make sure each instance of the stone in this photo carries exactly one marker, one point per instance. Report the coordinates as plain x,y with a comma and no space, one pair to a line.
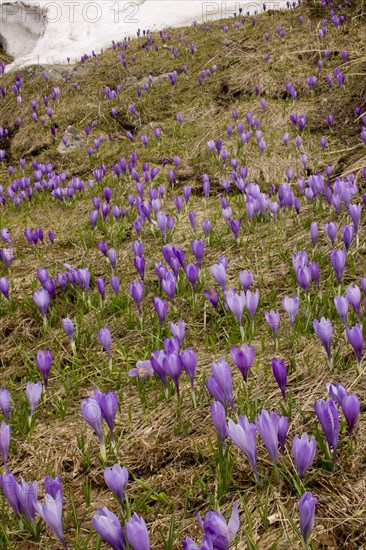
75,140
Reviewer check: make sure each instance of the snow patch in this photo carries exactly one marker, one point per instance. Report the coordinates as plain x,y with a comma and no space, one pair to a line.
51,31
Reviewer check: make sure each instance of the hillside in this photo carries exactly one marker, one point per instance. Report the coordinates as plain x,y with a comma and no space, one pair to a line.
256,124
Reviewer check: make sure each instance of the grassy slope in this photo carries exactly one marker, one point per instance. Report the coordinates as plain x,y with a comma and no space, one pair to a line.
175,453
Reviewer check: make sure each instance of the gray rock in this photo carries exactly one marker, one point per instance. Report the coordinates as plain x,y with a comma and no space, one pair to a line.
227,42
58,72
75,140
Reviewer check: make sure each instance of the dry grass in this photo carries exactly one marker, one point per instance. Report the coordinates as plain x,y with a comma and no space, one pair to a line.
174,455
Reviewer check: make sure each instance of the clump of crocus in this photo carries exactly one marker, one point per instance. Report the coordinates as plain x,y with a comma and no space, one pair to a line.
108,403
324,331
220,384
51,511
34,393
307,515
21,496
219,533
349,404
105,340
268,428
304,450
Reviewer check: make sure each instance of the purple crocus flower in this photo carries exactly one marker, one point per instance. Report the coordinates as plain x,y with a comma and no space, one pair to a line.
4,287
137,533
267,426
236,303
137,291
169,285
252,300
306,514
324,331
27,496
116,479
218,417
101,288
353,295
355,213
243,434
34,393
314,232
243,358
304,450
158,363
246,279
280,373
218,271
198,247
5,437
218,533
44,364
355,338
351,409
192,274
337,392
189,362
68,327
348,233
341,304
143,369
92,414
327,414
178,331
5,402
331,231
42,301
273,320
108,403
109,528
220,384
338,260
105,340
161,308
291,306
213,297
173,368
115,284
9,486
282,430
